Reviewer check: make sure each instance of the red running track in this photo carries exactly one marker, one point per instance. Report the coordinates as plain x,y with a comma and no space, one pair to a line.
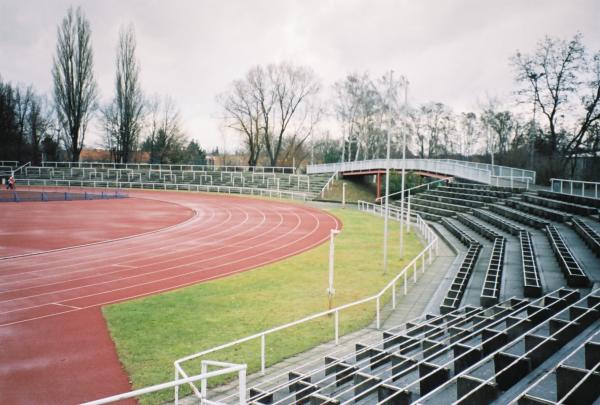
54,345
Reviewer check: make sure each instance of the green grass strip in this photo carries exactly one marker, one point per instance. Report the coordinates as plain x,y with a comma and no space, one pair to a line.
150,333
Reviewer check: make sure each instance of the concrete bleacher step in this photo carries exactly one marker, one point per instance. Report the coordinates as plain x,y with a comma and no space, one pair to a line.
461,235
547,213
454,201
559,205
525,345
569,265
441,212
472,191
479,228
439,204
490,292
575,199
459,284
465,196
519,216
478,186
472,355
497,221
532,286
589,235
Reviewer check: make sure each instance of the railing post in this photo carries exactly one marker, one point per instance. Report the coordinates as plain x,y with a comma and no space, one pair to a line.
203,382
242,387
415,272
337,327
378,316
262,355
176,387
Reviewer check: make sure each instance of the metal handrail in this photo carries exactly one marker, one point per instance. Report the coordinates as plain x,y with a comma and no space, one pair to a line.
328,184
169,186
480,172
414,188
581,183
226,368
429,250
260,169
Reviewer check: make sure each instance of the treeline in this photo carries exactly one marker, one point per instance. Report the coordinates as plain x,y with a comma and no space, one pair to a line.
551,126
35,129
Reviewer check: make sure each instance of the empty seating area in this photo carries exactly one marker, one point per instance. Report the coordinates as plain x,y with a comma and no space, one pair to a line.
532,286
498,222
571,268
461,235
547,213
560,205
574,380
588,234
519,216
457,289
469,355
479,228
490,292
575,199
174,177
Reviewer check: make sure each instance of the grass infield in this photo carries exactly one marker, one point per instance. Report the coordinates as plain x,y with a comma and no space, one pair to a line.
150,333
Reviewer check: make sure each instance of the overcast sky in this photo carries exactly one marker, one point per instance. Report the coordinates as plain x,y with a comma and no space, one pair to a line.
453,51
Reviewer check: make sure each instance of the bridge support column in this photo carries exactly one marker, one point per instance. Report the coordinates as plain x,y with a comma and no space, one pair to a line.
379,186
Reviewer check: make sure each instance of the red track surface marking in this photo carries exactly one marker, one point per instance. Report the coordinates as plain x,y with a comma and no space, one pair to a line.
54,346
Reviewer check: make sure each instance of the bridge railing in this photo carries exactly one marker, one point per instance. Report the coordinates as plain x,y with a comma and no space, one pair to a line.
480,172
431,165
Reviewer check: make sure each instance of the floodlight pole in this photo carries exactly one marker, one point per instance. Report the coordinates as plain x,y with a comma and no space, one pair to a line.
330,289
403,177
387,208
343,195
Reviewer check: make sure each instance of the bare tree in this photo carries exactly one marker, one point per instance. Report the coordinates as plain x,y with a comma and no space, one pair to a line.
75,90
294,111
563,83
469,131
123,117
438,124
39,125
242,112
165,138
271,104
367,110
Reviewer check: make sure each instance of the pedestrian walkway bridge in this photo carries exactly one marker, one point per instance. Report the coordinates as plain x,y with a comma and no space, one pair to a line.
477,172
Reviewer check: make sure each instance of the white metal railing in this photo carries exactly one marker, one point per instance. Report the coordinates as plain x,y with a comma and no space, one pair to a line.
479,172
168,167
261,192
575,187
505,181
409,190
225,368
9,163
426,254
328,184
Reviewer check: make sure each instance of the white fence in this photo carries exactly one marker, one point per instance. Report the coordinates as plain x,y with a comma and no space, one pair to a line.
575,187
262,192
169,167
479,172
403,276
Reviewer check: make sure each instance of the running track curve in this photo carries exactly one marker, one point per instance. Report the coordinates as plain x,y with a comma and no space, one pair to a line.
54,345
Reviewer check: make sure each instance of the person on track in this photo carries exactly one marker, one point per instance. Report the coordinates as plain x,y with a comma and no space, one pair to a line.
11,182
